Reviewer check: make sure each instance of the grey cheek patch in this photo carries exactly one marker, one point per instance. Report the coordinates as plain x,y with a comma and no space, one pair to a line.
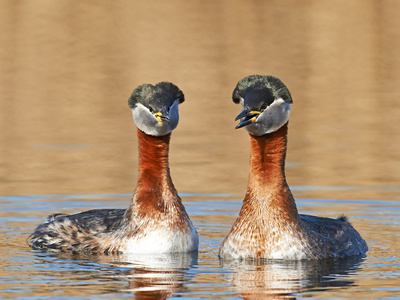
148,123
271,119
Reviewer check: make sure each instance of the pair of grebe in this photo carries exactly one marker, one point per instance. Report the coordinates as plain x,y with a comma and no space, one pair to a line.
269,225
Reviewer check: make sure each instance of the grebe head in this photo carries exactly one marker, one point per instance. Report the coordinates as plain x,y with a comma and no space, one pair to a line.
155,107
265,101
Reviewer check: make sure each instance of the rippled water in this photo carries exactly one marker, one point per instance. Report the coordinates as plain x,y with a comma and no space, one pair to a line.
26,273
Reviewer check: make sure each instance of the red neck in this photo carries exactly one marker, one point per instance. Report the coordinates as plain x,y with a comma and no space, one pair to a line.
154,186
267,185
153,158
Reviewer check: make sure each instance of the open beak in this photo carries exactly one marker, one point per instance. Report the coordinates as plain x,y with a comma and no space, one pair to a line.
162,116
247,117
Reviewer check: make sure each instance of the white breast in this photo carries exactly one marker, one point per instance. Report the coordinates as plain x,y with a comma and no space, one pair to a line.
163,241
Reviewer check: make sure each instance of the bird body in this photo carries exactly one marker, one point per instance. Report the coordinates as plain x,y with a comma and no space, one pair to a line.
269,225
156,220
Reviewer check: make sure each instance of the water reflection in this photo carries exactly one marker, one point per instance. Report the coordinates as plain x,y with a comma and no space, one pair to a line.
157,276
145,276
283,279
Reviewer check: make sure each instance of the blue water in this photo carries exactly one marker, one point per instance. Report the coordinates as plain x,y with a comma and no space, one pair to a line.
32,274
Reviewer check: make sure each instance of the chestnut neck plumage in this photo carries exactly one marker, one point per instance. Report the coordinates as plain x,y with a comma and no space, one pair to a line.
155,191
267,188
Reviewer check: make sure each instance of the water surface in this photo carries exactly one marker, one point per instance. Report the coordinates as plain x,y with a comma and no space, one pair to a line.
31,273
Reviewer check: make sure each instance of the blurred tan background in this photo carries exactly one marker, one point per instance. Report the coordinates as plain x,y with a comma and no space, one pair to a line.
68,68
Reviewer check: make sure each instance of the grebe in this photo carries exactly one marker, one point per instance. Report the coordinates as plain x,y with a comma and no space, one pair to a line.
156,220
269,225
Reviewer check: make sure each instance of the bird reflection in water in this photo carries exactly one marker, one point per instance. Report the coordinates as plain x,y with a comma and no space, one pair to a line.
280,279
155,276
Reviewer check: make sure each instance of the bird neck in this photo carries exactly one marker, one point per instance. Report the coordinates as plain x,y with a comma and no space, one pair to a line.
154,190
153,156
267,187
